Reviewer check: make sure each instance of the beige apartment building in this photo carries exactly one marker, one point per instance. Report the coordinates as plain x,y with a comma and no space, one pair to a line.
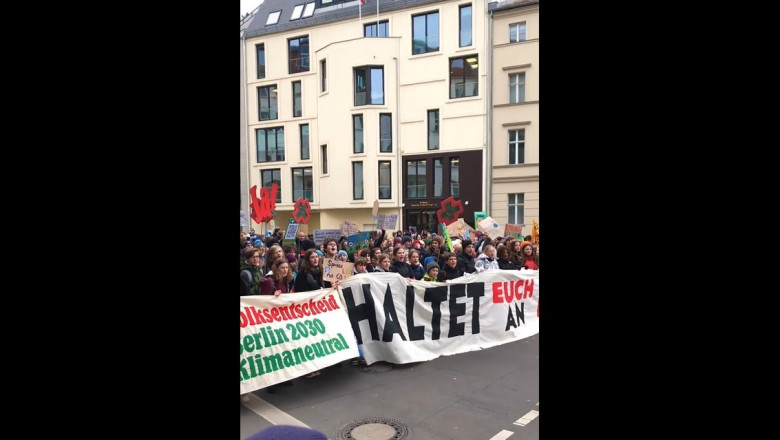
398,104
513,113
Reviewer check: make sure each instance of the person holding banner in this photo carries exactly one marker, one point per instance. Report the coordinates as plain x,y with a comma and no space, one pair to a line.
310,273
414,263
450,270
400,266
279,281
503,259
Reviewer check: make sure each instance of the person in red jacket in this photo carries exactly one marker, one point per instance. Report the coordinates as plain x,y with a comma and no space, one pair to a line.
529,259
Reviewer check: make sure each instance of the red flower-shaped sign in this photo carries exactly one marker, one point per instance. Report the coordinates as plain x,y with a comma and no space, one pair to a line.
302,210
450,210
262,208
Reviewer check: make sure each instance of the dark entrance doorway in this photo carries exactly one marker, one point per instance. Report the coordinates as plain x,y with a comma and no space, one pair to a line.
421,219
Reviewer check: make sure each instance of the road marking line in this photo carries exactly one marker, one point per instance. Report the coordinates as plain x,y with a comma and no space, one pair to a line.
271,413
503,435
526,419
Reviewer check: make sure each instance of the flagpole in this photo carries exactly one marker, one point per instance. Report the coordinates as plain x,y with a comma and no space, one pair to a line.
377,18
360,12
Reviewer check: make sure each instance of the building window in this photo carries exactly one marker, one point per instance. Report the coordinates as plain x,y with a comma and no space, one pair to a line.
369,80
302,184
297,109
323,76
385,133
433,129
516,32
296,14
304,129
465,25
438,178
298,54
385,190
357,180
517,88
516,205
260,60
516,147
269,108
380,29
425,33
415,179
273,17
270,144
324,153
454,177
357,133
269,177
309,11
464,76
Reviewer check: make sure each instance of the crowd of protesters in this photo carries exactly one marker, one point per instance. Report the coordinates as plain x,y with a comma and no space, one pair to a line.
269,266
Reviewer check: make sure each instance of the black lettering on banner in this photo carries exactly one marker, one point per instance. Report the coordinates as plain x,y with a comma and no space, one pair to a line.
457,309
435,296
476,291
391,318
416,333
360,312
520,312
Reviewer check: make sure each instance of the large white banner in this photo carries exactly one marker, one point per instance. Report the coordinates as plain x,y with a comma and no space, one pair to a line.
293,334
400,321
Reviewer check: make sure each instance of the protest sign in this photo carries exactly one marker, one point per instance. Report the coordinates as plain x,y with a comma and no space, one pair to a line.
321,235
333,270
516,231
358,241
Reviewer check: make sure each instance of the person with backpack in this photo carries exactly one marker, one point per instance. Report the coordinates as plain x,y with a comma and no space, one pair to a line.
251,272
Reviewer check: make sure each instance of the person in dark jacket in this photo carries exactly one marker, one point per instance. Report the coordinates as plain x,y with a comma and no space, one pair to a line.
251,272
418,270
310,273
450,270
465,258
399,265
503,259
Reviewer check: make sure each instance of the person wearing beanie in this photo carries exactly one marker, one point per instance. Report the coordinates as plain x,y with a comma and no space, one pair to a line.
288,432
431,271
342,255
257,243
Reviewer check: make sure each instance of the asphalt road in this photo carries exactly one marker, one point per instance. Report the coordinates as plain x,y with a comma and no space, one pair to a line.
490,394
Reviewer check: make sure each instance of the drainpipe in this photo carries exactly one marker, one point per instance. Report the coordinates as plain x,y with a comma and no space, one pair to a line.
489,110
398,136
245,87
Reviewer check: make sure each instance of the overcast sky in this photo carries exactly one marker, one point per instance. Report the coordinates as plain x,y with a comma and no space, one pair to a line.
249,5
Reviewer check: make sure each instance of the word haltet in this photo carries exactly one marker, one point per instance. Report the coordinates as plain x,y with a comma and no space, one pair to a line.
259,365
436,296
252,316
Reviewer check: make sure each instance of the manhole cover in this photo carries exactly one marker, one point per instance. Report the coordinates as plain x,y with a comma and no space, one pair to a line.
377,367
375,428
